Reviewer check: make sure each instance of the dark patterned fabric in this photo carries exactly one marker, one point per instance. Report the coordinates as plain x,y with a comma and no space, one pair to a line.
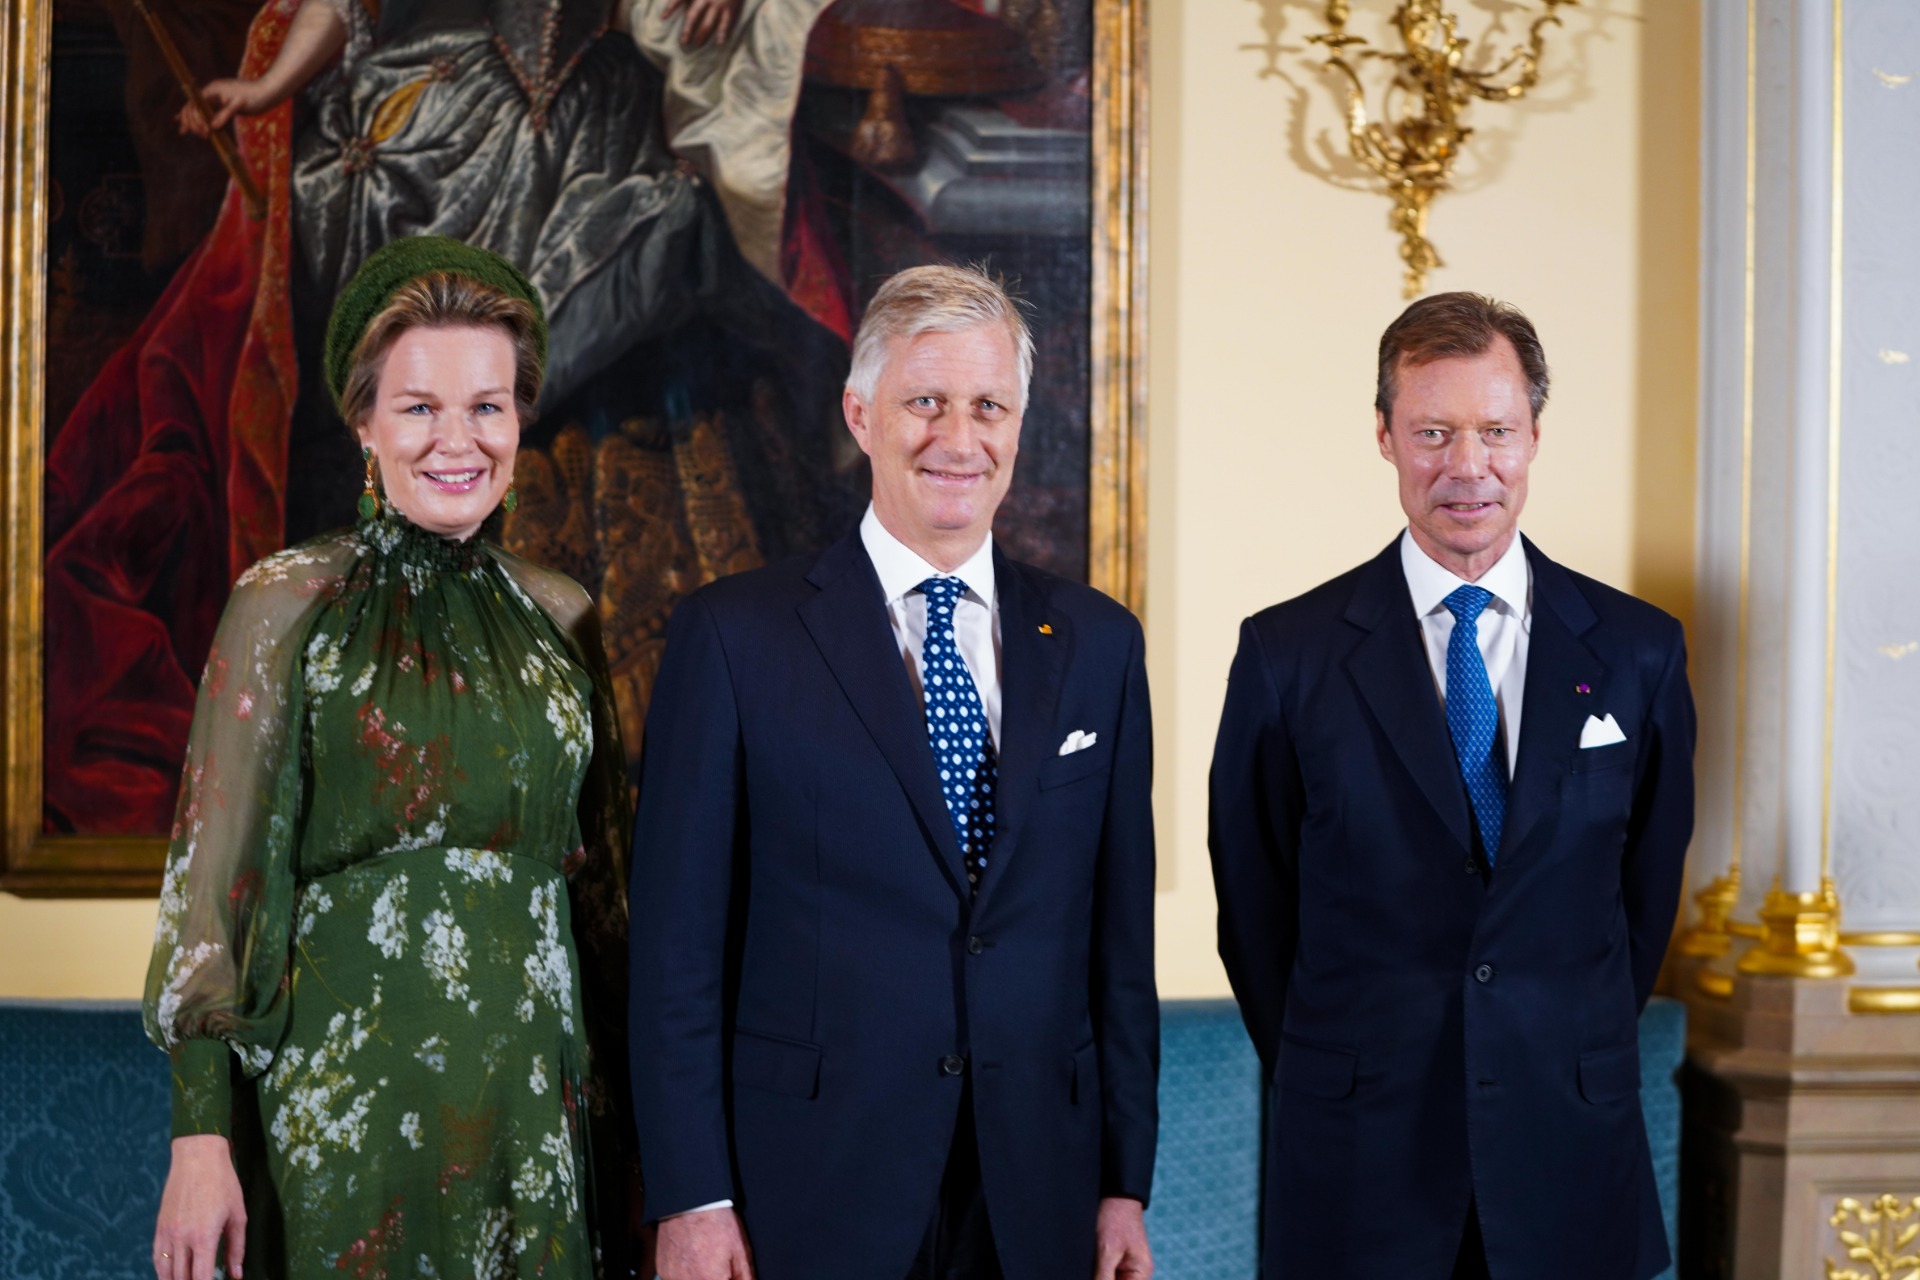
82,1163
83,1141
957,729
1663,1046
1204,1220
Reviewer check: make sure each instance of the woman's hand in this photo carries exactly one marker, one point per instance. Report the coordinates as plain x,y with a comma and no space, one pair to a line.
226,99
704,20
200,1207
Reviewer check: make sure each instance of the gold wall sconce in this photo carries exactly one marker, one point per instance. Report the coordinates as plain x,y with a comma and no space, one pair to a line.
1413,145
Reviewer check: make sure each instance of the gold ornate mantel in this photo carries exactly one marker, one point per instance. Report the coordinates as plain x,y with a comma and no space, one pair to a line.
1413,146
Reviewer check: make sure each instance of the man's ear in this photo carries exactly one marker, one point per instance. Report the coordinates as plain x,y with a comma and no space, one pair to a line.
1382,435
1533,447
854,409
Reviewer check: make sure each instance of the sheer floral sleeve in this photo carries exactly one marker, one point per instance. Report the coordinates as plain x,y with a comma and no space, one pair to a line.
596,872
215,988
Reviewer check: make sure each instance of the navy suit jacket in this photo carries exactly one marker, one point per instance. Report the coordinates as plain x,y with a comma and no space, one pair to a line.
812,985
1436,1033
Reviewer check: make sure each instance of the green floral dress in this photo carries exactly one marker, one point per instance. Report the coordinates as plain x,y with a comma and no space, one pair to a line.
390,956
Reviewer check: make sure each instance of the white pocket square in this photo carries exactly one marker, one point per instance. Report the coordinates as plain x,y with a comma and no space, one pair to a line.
1078,740
1600,733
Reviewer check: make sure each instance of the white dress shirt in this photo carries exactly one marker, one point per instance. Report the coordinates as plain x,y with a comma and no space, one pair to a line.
976,616
976,630
1503,628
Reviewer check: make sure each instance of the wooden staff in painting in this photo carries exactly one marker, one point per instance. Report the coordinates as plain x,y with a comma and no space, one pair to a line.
222,142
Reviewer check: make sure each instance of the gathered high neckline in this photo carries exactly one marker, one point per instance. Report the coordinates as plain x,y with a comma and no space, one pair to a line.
391,534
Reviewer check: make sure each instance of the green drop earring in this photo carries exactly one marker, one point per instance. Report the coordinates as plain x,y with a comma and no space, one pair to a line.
370,496
511,502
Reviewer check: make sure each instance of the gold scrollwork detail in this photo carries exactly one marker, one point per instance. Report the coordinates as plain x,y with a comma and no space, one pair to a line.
1881,1235
1413,149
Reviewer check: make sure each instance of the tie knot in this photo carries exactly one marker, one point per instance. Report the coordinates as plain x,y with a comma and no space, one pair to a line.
1466,603
943,592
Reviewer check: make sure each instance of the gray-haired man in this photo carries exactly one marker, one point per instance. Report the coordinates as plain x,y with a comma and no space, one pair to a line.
893,999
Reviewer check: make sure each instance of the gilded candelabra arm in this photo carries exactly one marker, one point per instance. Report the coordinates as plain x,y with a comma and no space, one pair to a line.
1526,57
1418,134
1367,141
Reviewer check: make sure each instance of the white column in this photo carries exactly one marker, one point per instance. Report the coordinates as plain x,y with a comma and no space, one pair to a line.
1807,650
1805,755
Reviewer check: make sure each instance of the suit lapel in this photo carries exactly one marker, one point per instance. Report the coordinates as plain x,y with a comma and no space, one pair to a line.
1391,671
1031,666
1552,709
848,621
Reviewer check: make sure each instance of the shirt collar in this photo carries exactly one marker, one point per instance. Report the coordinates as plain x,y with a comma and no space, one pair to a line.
901,569
1510,580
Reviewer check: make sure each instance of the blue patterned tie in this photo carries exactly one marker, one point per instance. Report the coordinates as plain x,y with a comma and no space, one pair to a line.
957,728
1473,718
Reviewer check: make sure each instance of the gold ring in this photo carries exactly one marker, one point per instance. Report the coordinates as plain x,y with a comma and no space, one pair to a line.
167,1256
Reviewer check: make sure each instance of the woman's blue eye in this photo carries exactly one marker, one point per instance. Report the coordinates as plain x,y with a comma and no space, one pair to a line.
420,408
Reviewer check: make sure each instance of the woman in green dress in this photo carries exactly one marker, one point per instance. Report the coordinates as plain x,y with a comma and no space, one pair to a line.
390,957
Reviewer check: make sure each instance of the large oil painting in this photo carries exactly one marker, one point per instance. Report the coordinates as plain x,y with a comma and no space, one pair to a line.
706,193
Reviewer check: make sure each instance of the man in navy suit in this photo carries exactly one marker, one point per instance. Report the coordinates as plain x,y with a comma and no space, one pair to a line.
1451,796
893,1006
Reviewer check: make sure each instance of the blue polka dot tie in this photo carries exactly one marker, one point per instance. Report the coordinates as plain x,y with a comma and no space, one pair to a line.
1473,718
957,728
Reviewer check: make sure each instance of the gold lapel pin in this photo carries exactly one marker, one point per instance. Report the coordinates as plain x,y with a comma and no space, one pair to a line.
1046,629
1583,688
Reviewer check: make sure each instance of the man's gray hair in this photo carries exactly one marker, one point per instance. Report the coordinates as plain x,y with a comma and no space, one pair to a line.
935,299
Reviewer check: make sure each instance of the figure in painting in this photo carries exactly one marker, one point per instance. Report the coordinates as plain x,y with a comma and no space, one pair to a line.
688,407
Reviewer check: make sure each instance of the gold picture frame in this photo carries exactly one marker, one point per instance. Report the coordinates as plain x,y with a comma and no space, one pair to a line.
35,863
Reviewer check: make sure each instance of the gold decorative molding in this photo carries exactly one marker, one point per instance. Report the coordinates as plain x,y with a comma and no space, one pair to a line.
1880,938
1714,983
1883,1000
1413,151
1800,936
1117,471
1884,1240
1836,319
1711,936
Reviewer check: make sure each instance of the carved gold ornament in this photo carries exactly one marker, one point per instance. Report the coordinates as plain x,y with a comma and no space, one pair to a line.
1412,147
1884,1241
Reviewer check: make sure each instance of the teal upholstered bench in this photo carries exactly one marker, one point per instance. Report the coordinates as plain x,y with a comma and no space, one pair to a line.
1204,1223
83,1138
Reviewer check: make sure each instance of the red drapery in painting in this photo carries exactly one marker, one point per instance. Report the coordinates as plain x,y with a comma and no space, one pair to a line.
166,481
169,478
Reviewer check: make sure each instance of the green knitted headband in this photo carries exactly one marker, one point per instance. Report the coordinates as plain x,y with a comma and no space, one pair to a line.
400,261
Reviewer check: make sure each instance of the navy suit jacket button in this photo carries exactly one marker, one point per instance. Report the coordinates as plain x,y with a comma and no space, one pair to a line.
1484,973
976,945
952,1065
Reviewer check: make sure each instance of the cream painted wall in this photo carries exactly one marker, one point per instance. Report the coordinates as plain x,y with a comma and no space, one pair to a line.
1269,289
